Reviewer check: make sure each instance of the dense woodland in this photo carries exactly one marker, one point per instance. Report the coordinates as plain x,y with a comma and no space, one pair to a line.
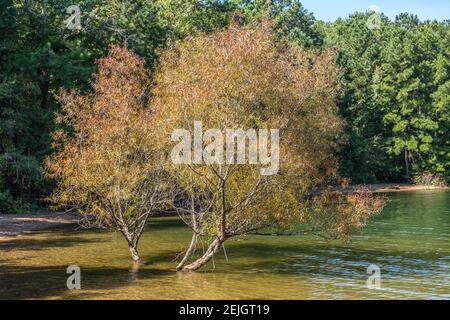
394,96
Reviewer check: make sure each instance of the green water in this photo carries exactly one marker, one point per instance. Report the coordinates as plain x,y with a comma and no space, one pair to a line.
409,241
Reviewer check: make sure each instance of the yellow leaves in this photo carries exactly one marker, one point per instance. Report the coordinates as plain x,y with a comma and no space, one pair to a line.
243,78
237,78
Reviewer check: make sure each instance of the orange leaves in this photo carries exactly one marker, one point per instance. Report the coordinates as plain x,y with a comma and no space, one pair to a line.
342,215
105,140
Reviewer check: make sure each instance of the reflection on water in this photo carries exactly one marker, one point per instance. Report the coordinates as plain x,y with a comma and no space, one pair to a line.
409,242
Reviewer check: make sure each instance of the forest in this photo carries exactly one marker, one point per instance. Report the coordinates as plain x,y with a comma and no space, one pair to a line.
394,85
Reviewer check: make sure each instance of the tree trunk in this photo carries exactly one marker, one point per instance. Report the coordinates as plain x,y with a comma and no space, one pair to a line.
190,251
132,244
134,253
44,17
44,85
406,165
207,256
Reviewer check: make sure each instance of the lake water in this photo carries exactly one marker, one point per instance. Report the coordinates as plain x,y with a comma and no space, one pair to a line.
409,242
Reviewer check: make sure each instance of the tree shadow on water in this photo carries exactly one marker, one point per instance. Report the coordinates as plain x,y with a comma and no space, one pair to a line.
34,282
162,257
53,241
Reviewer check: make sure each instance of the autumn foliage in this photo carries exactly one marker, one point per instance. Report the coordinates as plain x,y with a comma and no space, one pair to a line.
244,77
112,149
105,159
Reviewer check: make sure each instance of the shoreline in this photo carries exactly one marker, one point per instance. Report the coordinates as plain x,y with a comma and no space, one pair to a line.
395,187
13,226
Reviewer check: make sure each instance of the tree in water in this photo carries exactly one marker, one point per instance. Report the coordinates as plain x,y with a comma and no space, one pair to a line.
105,159
244,78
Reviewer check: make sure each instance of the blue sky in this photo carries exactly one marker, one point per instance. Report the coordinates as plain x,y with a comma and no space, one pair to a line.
330,10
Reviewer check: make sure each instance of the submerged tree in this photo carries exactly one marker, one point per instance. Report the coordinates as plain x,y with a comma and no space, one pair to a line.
105,162
243,78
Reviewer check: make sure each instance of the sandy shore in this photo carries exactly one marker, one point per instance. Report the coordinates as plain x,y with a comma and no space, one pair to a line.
12,225
396,187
